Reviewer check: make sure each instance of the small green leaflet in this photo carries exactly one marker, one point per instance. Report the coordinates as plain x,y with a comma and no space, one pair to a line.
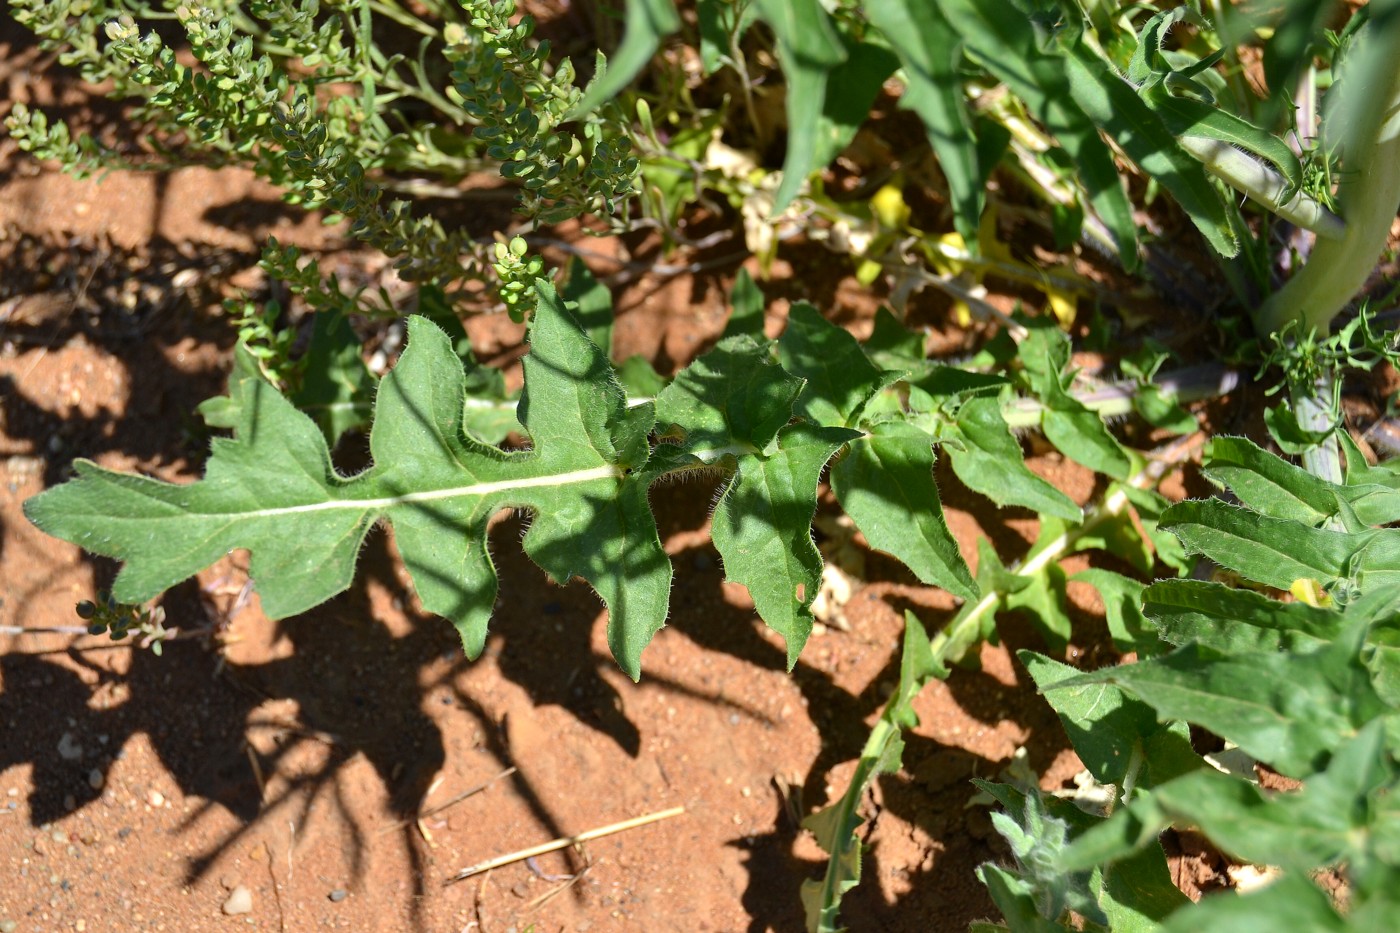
835,825
989,460
271,489
732,406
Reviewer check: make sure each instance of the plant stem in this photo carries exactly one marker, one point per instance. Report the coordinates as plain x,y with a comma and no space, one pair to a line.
1312,406
960,634
1364,113
1263,185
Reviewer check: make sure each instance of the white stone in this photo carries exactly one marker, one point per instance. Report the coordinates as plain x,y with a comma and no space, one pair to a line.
240,901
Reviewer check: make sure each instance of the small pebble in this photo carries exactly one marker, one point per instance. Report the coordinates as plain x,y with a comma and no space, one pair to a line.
240,901
69,749
95,779
338,895
9,926
155,798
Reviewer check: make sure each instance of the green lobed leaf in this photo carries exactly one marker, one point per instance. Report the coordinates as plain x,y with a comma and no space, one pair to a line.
1106,726
1325,823
989,460
1014,897
271,489
762,528
885,483
732,400
1074,428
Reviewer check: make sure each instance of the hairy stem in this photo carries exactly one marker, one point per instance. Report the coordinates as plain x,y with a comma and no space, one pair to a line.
1364,124
1263,185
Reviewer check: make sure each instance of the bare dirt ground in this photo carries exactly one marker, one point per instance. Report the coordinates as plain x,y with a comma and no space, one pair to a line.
295,760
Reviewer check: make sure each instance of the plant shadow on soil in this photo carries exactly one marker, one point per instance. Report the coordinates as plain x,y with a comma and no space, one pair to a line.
359,688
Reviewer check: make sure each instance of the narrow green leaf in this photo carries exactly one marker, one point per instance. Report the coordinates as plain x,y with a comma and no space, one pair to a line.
851,89
839,376
746,303
762,528
1290,710
1113,105
1271,551
1233,620
989,460
1268,483
722,22
835,826
885,483
1003,39
648,22
930,51
810,49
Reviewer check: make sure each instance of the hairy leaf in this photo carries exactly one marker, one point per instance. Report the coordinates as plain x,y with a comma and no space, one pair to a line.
839,376
1106,726
885,483
989,460
762,528
1068,423
1268,550
732,406
272,490
1290,710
